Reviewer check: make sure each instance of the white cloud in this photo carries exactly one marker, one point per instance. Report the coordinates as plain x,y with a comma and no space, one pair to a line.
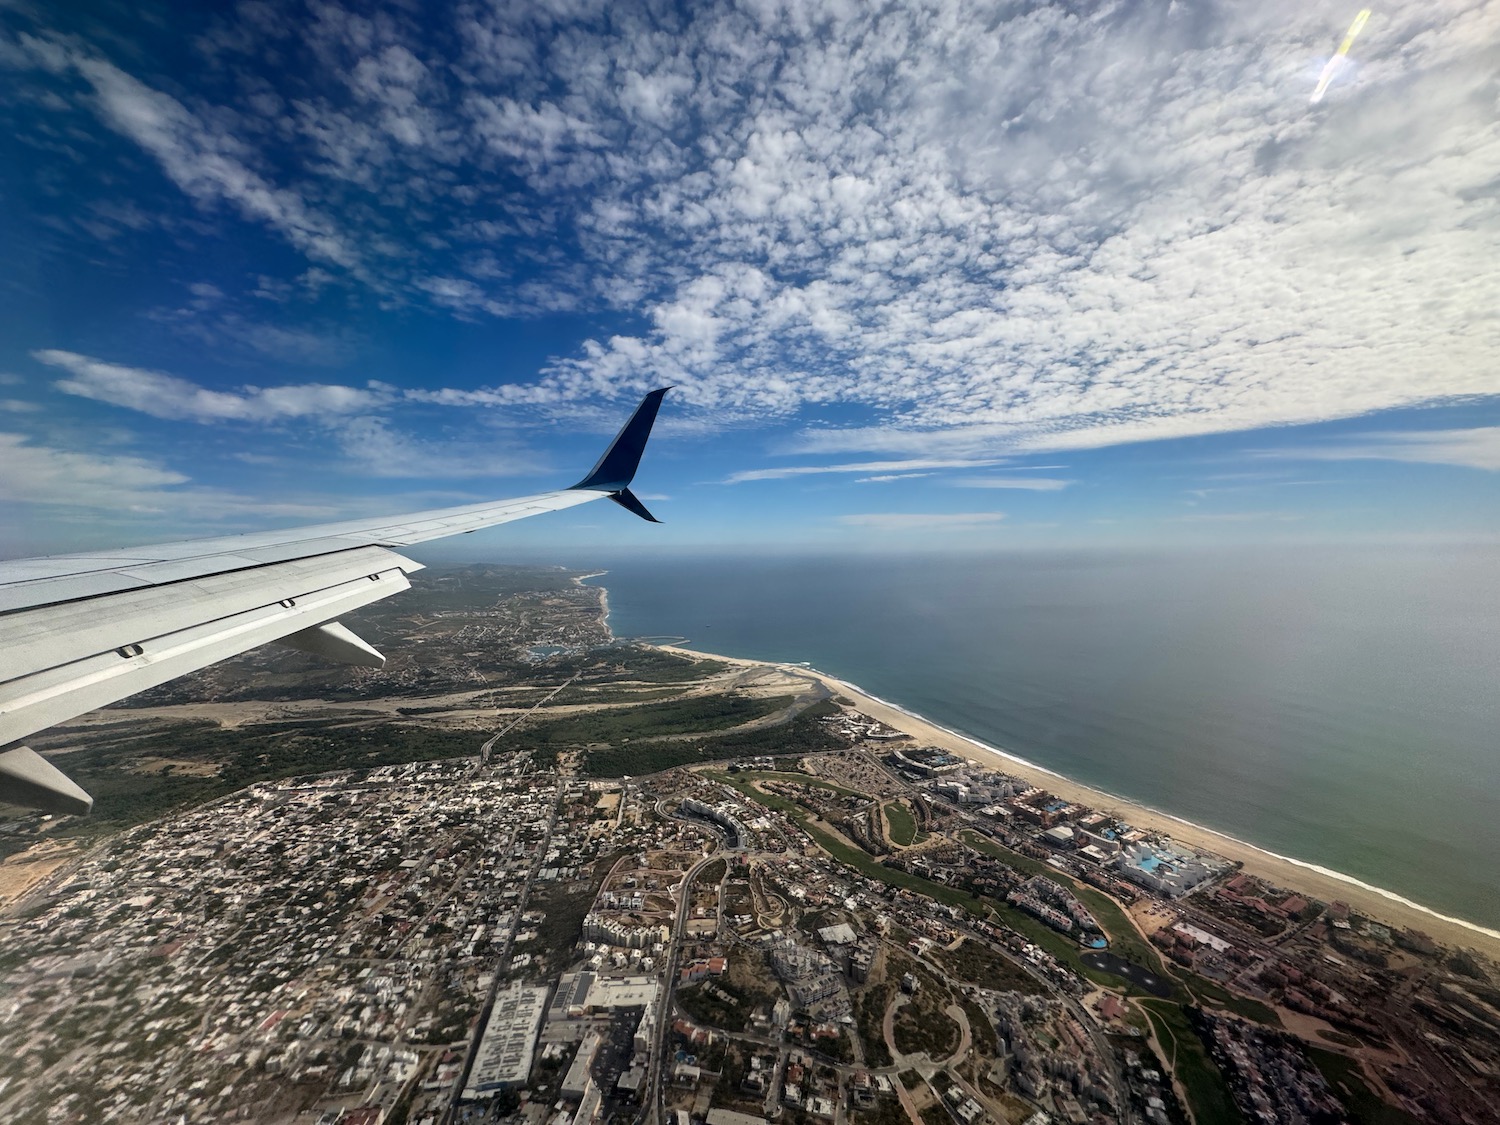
372,446
1155,240
912,465
1030,484
975,230
206,163
368,442
167,396
18,406
923,521
885,478
1474,448
39,474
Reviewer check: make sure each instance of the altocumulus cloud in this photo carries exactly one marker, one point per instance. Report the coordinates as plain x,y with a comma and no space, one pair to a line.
916,212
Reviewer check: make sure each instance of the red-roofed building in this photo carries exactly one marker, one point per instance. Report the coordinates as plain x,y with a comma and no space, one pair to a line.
701,970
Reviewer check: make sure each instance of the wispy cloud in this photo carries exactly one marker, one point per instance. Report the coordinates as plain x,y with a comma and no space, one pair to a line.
204,161
914,465
40,474
1029,484
923,521
1474,448
167,396
212,318
377,449
913,214
349,417
886,478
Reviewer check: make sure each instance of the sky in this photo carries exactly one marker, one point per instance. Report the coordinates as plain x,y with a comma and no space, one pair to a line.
934,275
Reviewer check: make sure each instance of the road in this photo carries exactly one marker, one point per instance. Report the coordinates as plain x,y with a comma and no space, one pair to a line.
484,751
505,954
655,1107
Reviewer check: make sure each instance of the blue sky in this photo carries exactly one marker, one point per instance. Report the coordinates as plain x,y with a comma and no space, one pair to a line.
932,275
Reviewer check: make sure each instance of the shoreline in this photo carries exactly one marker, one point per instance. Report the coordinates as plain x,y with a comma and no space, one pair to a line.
1309,878
581,581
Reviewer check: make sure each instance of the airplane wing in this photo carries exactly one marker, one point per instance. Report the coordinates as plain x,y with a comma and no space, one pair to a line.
78,632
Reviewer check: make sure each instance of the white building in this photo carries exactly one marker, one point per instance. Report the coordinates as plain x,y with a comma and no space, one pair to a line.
504,1056
1171,875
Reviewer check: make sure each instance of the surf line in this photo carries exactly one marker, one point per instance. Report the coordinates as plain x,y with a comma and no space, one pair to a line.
1328,872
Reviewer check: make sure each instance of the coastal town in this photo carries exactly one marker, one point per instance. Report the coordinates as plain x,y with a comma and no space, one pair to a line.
801,914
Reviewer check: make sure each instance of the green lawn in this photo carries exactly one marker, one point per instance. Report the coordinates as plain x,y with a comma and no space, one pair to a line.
1125,940
801,779
1348,1083
1206,1091
614,725
1211,994
902,826
803,735
1036,931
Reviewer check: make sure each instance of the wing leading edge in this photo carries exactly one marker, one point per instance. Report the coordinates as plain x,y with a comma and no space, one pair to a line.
80,631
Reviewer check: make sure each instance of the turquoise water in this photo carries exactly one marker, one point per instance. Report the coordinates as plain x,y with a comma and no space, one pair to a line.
1337,707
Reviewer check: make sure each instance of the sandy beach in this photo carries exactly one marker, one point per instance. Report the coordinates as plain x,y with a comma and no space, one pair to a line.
1280,871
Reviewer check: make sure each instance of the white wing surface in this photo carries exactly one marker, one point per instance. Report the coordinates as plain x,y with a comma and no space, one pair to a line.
81,631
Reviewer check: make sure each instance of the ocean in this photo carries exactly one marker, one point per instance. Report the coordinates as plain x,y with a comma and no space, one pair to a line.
1338,707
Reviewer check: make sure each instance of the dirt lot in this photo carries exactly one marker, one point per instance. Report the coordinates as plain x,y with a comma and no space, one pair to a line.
20,873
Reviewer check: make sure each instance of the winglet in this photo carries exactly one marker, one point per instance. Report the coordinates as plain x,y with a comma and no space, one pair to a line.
627,500
614,471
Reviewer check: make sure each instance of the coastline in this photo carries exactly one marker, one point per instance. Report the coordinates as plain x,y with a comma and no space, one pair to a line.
1303,876
581,581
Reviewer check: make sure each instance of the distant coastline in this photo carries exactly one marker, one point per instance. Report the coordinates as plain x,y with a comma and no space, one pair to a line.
582,580
1324,883
1288,872
1119,801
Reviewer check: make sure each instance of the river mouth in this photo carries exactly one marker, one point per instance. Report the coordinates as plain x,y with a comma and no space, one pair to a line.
1137,975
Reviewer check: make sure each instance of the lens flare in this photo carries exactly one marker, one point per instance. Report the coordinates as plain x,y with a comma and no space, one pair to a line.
1335,63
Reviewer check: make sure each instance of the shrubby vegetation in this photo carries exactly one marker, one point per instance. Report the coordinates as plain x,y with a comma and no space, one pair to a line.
702,714
870,1021
123,797
803,735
